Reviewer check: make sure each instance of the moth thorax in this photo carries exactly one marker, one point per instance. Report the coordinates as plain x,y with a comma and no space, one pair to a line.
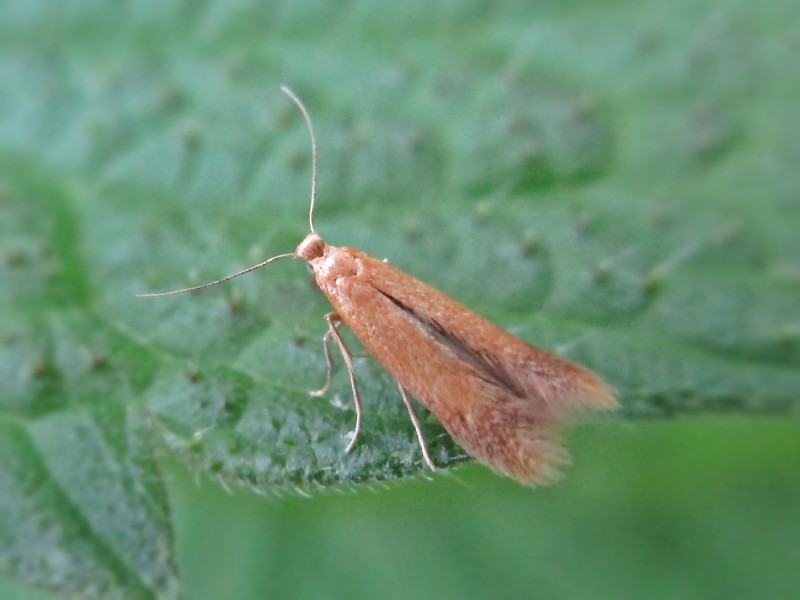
311,247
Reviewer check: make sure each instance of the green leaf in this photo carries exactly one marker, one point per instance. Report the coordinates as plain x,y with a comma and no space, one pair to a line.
617,183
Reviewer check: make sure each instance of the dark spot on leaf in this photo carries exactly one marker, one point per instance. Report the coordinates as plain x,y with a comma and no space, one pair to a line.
298,161
652,284
172,99
14,258
582,225
41,369
99,362
411,232
530,245
235,305
191,136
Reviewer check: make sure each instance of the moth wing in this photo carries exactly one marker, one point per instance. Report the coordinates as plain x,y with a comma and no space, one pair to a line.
522,369
501,398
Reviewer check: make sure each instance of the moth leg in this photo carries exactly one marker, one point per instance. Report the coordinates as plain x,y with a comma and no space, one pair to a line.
334,322
328,362
412,412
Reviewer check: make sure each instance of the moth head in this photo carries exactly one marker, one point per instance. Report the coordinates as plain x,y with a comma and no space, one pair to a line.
311,247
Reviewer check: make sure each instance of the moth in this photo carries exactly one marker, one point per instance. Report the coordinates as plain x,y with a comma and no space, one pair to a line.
501,399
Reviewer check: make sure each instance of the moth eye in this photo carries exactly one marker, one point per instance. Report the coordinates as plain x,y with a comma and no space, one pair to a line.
309,268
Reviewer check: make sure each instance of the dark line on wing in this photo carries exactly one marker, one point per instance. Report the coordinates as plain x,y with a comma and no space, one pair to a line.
487,367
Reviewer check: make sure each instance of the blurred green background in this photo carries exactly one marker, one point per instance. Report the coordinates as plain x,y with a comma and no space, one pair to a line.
633,167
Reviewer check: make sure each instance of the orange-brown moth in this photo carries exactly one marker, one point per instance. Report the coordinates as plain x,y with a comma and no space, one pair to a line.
499,397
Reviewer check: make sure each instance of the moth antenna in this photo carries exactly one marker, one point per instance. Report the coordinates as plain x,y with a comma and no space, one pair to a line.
223,280
310,126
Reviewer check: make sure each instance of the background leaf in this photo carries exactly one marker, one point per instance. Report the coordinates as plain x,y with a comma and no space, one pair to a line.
614,182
